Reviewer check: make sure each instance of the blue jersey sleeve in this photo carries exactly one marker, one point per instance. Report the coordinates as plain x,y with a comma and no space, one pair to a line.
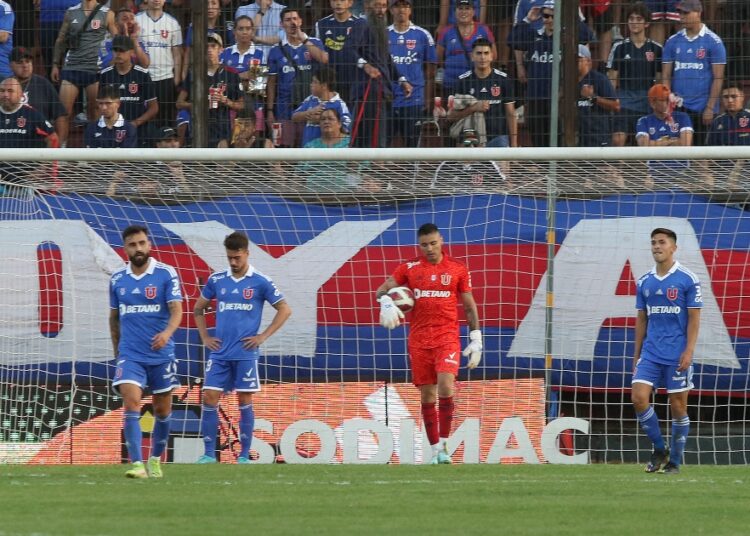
272,294
113,301
209,289
694,296
173,289
640,302
718,53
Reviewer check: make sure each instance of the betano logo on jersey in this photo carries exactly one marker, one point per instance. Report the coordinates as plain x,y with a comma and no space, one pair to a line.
131,309
431,293
224,306
663,309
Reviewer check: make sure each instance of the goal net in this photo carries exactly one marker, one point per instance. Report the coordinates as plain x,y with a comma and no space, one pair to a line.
329,227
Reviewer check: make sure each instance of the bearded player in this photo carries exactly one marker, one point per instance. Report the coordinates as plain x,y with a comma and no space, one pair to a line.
145,310
438,282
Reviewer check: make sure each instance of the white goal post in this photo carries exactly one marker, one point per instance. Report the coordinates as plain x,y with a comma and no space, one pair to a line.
554,239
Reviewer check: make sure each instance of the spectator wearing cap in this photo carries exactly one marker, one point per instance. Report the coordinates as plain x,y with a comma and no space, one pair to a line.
214,24
693,67
129,28
323,96
448,13
37,91
291,65
111,130
413,52
733,126
634,65
75,62
596,102
492,91
138,104
7,20
536,70
665,127
51,15
224,95
454,45
266,16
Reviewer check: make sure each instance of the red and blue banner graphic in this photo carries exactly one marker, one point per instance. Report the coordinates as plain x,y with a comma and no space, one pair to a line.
328,261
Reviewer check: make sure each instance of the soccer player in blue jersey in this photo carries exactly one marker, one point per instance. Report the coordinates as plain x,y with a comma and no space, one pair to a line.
240,293
145,302
693,67
669,303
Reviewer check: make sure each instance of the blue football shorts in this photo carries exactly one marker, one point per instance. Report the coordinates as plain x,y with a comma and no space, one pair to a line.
657,375
159,378
232,375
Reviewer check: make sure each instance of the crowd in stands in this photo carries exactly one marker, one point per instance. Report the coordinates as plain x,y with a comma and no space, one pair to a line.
370,73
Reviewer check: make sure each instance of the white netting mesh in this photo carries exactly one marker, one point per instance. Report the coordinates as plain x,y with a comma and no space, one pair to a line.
329,232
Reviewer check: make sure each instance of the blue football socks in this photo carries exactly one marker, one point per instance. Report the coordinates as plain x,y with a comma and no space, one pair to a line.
133,435
209,428
160,435
680,429
650,426
247,425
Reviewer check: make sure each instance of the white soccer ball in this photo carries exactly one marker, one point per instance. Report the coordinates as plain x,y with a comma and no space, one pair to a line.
402,297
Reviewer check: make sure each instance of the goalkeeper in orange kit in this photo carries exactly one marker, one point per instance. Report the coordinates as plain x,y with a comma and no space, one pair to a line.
438,282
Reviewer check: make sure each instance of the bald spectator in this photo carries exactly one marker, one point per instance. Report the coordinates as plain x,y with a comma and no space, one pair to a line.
22,125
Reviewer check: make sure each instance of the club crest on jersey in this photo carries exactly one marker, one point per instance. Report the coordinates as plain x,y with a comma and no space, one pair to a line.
672,293
445,279
120,135
411,44
133,88
247,293
150,292
122,292
700,53
495,90
165,34
650,56
744,121
21,122
307,55
96,24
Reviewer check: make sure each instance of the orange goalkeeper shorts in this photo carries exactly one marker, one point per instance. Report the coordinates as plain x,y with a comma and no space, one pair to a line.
427,363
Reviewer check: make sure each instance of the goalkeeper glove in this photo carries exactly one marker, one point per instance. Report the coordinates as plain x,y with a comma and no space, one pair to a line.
390,315
474,349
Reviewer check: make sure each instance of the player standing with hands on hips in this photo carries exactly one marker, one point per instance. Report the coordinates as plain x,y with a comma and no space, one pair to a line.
240,293
669,302
437,281
145,302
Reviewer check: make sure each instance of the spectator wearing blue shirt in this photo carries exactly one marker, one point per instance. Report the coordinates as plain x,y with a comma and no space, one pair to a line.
266,16
665,127
413,52
323,96
448,13
214,24
125,20
596,102
535,70
110,130
454,45
7,20
335,32
733,126
693,67
291,65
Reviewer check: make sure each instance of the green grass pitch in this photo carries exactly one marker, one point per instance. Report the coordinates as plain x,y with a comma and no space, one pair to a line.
375,499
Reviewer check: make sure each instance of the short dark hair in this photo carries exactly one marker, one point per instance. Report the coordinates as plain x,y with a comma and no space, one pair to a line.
638,8
133,229
109,91
326,75
236,241
427,228
288,10
663,230
481,42
244,17
733,84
